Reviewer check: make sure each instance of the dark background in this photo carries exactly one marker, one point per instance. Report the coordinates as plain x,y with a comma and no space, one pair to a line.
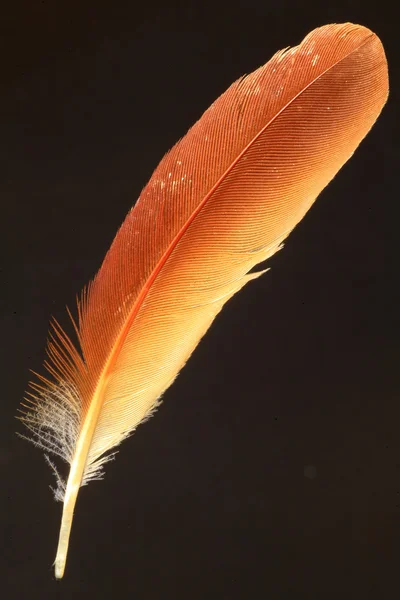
272,469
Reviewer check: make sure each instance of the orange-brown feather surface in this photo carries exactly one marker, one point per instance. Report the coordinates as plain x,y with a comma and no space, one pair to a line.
220,202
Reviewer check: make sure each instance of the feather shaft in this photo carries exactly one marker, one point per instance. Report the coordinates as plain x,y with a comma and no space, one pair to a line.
75,480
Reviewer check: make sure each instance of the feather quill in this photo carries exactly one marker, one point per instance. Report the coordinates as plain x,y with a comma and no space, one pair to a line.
220,202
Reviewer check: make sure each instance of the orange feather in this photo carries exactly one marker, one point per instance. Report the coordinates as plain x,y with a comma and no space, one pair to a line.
220,202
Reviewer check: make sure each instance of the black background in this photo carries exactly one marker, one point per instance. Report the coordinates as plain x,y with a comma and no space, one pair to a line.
272,469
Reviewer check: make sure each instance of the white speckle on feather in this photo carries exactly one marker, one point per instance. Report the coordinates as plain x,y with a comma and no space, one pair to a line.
311,45
315,60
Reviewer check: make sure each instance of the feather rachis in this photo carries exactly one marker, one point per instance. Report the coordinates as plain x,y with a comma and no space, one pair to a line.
221,201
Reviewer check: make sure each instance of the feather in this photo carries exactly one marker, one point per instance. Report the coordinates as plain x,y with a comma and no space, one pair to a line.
220,202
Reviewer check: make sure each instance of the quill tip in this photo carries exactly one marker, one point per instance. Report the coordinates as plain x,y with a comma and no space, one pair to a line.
59,568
